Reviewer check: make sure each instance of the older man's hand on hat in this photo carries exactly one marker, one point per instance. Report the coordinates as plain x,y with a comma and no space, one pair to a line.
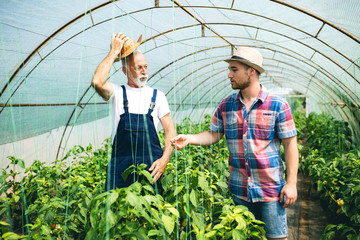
117,43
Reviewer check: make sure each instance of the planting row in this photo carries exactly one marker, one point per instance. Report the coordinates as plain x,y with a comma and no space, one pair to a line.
67,199
333,162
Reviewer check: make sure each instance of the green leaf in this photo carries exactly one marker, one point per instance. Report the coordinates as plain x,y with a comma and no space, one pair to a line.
112,197
73,227
10,236
153,232
45,230
210,234
356,189
21,163
238,235
218,226
91,235
193,198
320,185
166,181
221,184
203,183
139,236
178,189
126,173
148,218
198,219
174,211
16,198
31,209
110,218
169,223
94,218
241,222
133,200
149,188
2,223
147,175
83,211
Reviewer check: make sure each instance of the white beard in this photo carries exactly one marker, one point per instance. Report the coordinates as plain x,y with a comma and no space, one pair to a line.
139,82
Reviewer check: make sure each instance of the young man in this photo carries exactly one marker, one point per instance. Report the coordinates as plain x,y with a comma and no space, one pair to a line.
136,110
255,123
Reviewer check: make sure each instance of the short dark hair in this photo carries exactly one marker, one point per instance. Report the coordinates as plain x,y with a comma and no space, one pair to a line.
247,67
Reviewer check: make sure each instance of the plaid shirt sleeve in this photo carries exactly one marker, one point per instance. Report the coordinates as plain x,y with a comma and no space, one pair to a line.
217,123
285,125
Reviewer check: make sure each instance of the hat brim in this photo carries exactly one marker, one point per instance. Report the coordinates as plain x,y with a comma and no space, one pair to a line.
250,64
132,48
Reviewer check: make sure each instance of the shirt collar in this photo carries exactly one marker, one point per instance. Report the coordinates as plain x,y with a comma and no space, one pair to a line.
262,95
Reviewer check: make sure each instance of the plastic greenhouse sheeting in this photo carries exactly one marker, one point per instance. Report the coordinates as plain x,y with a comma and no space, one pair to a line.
50,50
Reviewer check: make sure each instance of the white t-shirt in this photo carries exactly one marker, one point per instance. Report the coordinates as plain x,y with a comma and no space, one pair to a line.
139,102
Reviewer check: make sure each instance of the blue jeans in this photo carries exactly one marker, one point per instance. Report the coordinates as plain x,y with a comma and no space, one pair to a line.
271,213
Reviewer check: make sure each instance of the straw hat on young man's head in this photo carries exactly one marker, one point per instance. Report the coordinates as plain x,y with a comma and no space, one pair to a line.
248,56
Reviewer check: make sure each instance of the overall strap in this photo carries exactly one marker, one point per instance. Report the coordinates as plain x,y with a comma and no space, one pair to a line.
152,104
126,102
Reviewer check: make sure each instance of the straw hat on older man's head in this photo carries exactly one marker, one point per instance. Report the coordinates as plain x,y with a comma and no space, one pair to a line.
129,47
248,56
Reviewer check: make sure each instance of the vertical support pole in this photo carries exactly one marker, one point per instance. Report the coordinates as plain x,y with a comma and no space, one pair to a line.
307,109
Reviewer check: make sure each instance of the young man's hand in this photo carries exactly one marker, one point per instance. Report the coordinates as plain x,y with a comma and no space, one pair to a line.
180,141
289,191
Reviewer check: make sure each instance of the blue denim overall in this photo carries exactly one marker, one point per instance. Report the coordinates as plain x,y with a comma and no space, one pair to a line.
136,141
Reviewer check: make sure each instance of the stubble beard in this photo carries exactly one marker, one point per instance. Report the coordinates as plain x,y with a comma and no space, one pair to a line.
243,85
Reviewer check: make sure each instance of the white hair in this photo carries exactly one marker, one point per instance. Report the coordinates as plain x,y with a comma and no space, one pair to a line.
124,60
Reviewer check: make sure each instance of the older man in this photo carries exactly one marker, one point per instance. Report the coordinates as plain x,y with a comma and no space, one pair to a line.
136,111
255,123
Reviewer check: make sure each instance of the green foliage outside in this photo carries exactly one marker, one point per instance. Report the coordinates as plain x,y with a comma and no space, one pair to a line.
66,200
332,160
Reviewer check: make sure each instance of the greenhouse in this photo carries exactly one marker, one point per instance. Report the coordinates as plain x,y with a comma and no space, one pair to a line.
56,130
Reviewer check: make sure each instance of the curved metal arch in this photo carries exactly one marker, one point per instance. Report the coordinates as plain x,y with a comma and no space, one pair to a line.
297,73
209,49
43,43
321,86
319,68
223,96
100,6
224,87
226,46
318,18
344,115
290,26
345,70
104,4
94,10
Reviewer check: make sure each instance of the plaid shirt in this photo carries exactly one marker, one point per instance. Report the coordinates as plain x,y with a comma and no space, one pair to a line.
253,139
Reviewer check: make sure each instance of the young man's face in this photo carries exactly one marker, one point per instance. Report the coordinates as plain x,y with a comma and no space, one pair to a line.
239,75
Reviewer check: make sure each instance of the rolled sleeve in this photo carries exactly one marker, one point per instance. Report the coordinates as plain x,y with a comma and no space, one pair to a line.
285,125
217,123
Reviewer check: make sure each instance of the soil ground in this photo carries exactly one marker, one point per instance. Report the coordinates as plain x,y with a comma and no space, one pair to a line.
306,218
